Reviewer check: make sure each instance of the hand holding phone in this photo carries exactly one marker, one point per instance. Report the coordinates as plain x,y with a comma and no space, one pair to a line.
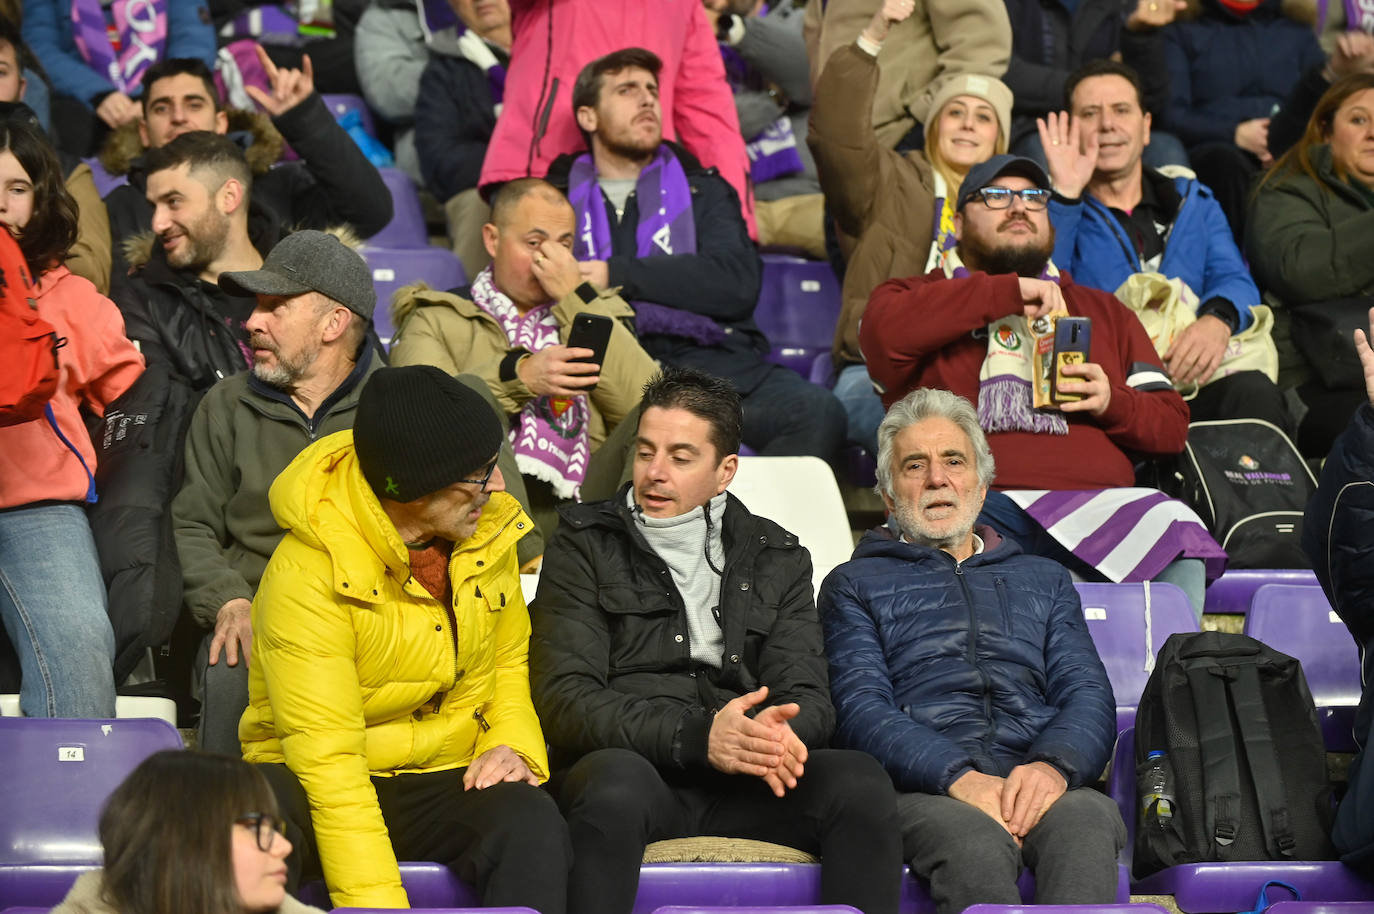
590,331
1072,342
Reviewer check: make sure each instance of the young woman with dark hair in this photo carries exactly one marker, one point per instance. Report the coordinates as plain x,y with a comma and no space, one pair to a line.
52,595
191,833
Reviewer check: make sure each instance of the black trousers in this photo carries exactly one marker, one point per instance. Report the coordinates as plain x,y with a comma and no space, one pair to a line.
508,839
843,809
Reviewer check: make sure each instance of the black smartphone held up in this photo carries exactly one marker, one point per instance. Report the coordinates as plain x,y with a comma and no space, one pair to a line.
1072,340
590,331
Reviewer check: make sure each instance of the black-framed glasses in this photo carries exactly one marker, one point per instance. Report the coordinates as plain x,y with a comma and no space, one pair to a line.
486,477
264,825
1033,198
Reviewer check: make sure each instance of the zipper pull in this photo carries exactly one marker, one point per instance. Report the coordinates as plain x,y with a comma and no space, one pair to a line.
481,721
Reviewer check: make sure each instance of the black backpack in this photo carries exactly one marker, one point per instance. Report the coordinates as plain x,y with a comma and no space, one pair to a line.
1240,733
1250,485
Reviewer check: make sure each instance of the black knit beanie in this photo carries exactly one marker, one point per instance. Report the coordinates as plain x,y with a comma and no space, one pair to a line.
419,430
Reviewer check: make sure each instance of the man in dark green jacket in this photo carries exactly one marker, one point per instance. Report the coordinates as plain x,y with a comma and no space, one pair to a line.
310,357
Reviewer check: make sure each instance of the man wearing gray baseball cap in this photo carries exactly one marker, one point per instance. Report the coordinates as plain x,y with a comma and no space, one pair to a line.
309,261
309,340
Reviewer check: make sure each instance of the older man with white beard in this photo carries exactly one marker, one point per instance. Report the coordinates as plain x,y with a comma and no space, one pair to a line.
965,667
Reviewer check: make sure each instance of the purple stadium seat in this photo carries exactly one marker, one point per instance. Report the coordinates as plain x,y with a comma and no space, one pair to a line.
407,226
1127,908
430,885
393,268
1298,620
104,181
1233,591
25,910
1117,618
758,909
341,104
58,774
472,910
1315,907
799,304
427,885
1211,887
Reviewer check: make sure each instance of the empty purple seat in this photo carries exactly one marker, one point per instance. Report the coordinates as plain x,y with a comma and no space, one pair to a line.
342,103
1233,591
58,774
392,268
1211,887
1118,616
799,304
407,226
1321,907
25,910
1298,620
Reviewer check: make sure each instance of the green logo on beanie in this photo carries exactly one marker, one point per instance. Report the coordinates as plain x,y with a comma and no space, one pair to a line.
391,487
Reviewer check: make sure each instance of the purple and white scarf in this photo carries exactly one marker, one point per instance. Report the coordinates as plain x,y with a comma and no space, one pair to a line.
142,29
1128,534
1359,15
666,227
773,153
550,437
1005,403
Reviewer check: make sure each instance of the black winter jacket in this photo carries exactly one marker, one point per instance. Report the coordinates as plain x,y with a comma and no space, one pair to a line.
455,116
178,319
721,280
1338,535
1049,43
332,183
610,662
940,667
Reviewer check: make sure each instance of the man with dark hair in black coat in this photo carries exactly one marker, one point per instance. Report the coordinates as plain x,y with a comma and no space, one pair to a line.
677,668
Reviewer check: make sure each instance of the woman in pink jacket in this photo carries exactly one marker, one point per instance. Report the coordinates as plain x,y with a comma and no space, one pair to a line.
52,596
555,39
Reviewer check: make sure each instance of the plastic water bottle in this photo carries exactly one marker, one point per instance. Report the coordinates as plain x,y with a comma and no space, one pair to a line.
1157,791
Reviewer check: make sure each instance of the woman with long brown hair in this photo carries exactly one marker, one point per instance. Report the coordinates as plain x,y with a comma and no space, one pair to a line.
1311,245
190,833
52,595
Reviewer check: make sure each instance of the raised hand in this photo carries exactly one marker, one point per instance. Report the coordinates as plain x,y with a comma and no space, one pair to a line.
289,87
1154,14
1366,354
1070,151
891,12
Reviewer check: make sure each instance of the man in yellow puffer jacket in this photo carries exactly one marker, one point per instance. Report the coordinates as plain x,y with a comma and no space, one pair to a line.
389,697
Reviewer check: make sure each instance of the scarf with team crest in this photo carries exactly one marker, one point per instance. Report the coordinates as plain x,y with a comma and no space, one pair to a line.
550,436
1004,382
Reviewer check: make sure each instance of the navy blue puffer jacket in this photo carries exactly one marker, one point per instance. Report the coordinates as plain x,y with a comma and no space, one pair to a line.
938,667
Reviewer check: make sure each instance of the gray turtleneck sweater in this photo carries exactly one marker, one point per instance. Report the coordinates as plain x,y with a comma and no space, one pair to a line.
691,546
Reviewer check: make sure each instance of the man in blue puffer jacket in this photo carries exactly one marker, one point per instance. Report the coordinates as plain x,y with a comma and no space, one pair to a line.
965,667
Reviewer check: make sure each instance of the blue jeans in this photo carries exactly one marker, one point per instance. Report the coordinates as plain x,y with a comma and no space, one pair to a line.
862,406
52,602
788,416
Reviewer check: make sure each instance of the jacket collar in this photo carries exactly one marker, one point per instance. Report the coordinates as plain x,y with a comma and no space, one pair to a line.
883,541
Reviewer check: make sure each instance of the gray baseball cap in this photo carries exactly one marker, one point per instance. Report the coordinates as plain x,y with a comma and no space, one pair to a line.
310,261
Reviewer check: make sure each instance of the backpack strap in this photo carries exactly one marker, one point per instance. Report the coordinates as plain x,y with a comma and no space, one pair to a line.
1216,748
1261,755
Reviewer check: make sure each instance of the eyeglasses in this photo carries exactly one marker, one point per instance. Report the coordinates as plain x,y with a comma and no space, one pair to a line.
486,477
1033,198
265,825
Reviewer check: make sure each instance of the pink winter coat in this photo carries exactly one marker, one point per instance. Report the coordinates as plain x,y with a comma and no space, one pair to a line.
98,364
698,107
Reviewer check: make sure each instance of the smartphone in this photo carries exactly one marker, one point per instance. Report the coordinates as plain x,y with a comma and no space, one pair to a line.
591,331
1072,341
